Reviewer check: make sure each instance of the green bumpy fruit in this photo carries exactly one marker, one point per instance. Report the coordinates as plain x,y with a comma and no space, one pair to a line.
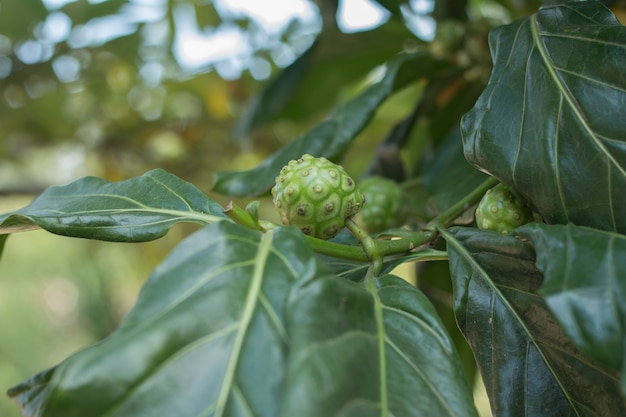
316,195
384,206
500,211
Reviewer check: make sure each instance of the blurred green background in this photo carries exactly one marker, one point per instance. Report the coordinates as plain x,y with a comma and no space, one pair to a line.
115,88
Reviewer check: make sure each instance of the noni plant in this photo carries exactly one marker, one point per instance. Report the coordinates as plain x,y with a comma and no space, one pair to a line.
251,317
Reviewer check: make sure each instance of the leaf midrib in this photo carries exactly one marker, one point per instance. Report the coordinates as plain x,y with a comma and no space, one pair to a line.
250,303
550,67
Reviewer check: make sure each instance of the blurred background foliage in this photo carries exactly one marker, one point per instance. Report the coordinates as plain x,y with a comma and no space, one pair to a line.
114,88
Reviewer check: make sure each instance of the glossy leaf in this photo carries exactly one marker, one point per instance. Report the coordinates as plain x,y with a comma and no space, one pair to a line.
206,337
372,350
550,122
134,210
236,322
333,136
529,366
585,286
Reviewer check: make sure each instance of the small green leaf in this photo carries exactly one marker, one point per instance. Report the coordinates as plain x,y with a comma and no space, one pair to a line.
585,286
549,124
529,366
134,210
373,350
333,136
207,336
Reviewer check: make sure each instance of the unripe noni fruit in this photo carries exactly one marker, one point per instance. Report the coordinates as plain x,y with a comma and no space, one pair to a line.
316,195
499,210
385,206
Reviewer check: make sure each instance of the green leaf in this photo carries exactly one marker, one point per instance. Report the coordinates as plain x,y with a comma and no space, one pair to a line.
529,366
314,81
550,124
333,136
275,95
134,210
373,350
206,337
585,286
448,176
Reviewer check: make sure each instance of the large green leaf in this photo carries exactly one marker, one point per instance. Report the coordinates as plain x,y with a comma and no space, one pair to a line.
206,337
134,210
373,350
529,366
585,286
313,83
236,322
333,136
550,122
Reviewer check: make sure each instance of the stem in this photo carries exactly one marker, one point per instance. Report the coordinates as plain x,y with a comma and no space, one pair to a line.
239,215
369,245
337,250
373,250
444,219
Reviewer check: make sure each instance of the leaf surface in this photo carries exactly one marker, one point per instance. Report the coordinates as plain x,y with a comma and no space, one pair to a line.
529,366
448,176
134,210
377,349
205,338
239,323
550,122
334,135
585,286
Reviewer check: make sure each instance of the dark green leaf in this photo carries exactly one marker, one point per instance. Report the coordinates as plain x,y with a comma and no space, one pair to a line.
448,176
135,210
550,124
331,137
373,350
313,82
275,95
529,366
206,337
585,286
